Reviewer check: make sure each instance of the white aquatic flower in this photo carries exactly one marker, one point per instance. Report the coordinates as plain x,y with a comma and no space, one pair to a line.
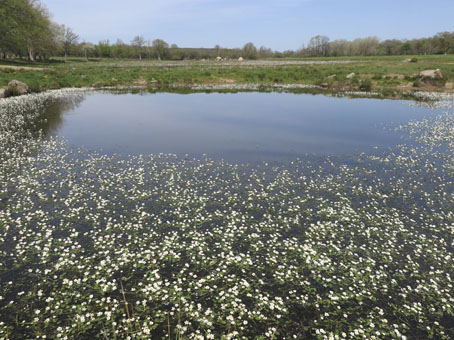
221,242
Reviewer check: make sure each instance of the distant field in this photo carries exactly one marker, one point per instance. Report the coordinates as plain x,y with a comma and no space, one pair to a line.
372,73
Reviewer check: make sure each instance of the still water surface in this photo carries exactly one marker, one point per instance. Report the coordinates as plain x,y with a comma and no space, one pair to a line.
249,126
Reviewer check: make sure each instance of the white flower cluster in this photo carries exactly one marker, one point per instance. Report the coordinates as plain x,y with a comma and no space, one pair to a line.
251,87
152,247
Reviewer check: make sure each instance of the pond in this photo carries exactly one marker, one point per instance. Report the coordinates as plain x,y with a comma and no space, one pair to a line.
237,127
114,244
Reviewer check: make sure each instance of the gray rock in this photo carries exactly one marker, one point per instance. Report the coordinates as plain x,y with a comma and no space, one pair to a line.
351,75
98,84
18,88
431,74
2,93
331,76
407,61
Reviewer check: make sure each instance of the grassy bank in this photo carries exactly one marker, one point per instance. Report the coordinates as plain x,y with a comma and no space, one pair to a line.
372,73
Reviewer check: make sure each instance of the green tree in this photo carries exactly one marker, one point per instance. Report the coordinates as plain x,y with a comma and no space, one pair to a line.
24,28
406,48
103,49
249,51
160,48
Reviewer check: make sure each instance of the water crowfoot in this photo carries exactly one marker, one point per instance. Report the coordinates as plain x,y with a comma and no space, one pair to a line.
147,247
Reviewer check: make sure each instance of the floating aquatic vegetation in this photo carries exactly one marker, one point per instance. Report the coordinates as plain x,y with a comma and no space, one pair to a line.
433,99
156,246
252,87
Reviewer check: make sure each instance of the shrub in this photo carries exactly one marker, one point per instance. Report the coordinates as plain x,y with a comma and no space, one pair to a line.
11,91
365,85
388,93
417,83
413,60
435,82
34,86
430,82
378,76
355,81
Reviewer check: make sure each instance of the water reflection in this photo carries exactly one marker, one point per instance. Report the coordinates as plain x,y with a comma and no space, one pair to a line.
51,119
242,127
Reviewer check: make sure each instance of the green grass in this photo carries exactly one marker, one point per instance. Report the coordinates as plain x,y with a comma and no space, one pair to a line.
78,72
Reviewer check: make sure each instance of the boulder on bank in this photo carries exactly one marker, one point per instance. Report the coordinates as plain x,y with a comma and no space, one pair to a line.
98,84
431,74
351,75
407,60
141,81
17,88
240,59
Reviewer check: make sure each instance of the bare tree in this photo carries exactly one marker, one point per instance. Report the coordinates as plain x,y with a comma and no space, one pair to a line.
138,42
265,52
69,38
319,45
87,47
218,50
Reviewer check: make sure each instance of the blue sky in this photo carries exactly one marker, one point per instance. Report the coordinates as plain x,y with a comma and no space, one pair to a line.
280,25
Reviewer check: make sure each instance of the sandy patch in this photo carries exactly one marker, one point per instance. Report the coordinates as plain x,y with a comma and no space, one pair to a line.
140,82
18,68
226,80
394,75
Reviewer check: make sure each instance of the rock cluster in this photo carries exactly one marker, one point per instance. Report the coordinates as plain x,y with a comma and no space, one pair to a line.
18,88
431,74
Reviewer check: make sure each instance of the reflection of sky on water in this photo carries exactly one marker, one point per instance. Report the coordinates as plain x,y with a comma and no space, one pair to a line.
236,127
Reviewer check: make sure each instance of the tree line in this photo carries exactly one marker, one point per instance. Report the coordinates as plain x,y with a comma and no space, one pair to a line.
440,43
318,46
26,31
140,48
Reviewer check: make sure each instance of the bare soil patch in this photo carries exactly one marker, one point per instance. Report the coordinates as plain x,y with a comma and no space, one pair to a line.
18,68
226,80
394,75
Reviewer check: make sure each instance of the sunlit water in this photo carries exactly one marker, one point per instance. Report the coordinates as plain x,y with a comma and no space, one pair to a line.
243,127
